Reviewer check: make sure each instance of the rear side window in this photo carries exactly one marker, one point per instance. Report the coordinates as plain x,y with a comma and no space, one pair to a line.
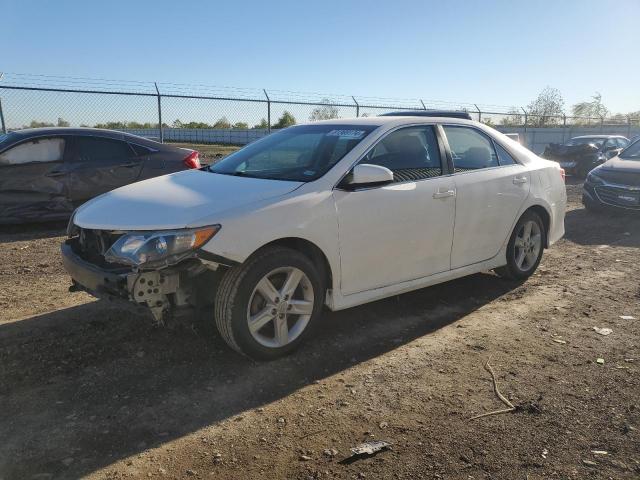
410,153
95,149
622,142
504,158
39,150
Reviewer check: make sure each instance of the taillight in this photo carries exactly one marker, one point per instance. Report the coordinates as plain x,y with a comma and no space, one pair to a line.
563,174
193,160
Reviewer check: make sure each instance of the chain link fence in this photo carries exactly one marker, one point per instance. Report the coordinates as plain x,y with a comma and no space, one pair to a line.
229,115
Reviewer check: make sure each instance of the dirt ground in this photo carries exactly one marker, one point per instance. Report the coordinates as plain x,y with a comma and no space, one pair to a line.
93,389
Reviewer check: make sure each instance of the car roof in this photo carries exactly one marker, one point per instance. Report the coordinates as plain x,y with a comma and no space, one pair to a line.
392,120
598,136
429,113
19,135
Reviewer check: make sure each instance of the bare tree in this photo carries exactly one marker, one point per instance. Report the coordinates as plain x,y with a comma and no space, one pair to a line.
547,109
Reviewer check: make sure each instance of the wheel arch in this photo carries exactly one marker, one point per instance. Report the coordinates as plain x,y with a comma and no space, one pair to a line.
544,214
308,249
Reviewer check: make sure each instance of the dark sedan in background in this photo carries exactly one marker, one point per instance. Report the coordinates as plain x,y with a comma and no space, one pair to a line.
616,183
46,172
580,154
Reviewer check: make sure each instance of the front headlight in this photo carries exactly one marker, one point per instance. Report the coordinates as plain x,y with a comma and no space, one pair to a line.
593,179
163,247
72,229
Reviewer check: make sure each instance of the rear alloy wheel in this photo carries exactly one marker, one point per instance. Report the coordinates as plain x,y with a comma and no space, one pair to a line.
266,306
525,248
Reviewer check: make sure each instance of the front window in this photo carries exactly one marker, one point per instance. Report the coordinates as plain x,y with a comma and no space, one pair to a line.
586,141
470,149
302,153
411,153
632,152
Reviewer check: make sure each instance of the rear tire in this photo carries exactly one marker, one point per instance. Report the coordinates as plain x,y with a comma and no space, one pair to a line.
266,307
525,248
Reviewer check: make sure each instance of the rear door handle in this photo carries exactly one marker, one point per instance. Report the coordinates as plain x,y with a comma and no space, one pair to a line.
445,194
519,180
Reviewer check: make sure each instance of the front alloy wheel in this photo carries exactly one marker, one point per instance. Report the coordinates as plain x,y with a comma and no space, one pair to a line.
265,307
280,307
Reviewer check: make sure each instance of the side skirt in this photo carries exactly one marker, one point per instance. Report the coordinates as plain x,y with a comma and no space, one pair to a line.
335,301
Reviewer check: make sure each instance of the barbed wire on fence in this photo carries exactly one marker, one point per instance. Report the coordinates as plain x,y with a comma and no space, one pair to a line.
178,111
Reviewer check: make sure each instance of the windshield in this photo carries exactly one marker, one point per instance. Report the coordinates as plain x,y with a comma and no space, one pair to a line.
585,141
301,153
632,152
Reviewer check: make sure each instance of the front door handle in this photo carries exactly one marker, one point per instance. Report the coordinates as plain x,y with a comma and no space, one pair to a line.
519,180
445,194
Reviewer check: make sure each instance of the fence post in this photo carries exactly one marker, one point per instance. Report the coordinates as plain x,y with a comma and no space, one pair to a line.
479,113
525,127
357,106
159,114
268,110
628,123
601,124
564,126
4,127
424,107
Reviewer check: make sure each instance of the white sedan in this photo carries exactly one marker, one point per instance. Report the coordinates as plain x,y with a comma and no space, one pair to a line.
336,213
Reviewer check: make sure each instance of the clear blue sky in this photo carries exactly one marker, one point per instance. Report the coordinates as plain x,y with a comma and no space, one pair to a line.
489,52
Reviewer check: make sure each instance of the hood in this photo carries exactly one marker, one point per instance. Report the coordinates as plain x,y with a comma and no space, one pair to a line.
175,201
617,163
555,151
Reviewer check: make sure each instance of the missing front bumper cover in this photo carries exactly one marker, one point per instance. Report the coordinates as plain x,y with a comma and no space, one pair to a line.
160,290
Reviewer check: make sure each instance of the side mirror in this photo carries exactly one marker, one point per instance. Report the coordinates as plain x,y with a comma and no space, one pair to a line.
367,174
610,153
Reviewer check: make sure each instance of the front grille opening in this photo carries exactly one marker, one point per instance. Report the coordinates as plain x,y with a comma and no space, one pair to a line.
93,244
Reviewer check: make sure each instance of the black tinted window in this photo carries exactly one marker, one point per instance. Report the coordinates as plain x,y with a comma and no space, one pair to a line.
140,150
470,149
410,153
504,158
95,149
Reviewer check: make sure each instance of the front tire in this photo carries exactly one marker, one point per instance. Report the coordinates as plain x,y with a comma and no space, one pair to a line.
265,307
525,247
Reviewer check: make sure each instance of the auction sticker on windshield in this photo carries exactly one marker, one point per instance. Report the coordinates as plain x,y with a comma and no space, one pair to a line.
355,134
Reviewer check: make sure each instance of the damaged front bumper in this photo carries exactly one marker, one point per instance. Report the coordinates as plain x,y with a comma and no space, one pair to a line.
165,291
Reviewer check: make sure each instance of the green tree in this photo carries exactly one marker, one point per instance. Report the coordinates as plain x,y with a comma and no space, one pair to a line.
37,124
594,108
62,122
547,108
324,112
240,126
196,125
176,124
262,125
286,120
